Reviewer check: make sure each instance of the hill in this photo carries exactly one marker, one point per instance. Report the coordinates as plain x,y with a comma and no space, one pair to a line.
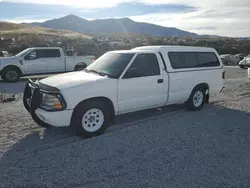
109,26
14,30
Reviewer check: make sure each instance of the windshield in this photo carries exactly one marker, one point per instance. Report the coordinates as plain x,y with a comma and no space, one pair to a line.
22,53
110,64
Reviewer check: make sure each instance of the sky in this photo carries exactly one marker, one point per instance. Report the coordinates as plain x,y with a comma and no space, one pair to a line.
215,17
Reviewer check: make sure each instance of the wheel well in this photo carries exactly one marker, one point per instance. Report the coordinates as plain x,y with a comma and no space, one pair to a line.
104,100
80,64
12,67
203,85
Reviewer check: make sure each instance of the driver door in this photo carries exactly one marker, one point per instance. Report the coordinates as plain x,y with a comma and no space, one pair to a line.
142,86
34,63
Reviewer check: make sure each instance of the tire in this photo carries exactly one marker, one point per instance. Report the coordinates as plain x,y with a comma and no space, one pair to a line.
3,77
80,67
11,75
91,119
196,99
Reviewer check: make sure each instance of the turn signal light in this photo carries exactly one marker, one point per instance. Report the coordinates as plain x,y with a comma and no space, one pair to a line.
58,106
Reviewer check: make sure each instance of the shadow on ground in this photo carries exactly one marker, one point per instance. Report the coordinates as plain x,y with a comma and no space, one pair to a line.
208,148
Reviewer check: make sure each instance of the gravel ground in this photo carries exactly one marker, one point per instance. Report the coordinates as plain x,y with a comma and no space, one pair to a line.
167,148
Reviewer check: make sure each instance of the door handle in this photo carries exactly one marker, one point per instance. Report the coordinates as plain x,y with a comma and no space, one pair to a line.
159,81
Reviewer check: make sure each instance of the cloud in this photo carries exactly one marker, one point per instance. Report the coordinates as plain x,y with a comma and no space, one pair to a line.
17,20
219,17
74,3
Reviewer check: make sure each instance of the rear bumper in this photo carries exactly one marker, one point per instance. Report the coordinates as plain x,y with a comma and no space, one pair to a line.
43,118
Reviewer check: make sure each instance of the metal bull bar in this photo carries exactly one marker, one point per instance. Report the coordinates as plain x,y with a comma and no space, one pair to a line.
32,101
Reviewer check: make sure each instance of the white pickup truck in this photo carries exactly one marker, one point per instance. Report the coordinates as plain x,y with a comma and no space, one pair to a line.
125,81
41,60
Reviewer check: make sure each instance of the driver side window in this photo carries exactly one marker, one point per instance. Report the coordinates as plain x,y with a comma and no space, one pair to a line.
31,56
144,65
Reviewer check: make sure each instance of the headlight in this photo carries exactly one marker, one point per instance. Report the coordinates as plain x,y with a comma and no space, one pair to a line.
52,102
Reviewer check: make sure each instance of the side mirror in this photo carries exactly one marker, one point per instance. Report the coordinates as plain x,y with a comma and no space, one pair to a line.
30,57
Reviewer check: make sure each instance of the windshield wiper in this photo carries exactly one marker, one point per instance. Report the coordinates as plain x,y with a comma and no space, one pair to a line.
100,73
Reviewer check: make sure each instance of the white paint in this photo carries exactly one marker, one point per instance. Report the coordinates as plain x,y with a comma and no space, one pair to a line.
45,65
57,119
128,95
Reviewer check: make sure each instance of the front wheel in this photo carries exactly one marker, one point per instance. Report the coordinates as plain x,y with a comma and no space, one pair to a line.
90,119
11,75
197,99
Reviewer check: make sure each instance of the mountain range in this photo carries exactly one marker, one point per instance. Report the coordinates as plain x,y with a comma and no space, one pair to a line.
109,26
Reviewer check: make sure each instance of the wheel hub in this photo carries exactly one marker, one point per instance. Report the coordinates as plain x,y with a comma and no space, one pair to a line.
93,120
198,98
11,75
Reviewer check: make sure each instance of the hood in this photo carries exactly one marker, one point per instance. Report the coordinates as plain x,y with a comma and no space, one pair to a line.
72,79
12,59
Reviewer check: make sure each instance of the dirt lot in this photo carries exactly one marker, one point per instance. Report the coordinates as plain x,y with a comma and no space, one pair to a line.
168,148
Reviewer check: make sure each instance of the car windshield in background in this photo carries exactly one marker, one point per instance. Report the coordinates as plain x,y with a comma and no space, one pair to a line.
110,64
22,53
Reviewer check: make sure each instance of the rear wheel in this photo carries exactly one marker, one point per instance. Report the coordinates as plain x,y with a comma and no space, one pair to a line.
11,75
90,119
197,99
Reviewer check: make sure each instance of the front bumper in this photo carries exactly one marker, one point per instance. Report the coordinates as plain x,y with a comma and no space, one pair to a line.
32,102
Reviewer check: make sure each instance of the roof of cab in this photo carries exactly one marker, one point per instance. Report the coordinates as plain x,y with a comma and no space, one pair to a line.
165,48
173,47
47,48
129,51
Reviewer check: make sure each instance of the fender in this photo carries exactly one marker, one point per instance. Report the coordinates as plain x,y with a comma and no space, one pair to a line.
11,61
12,66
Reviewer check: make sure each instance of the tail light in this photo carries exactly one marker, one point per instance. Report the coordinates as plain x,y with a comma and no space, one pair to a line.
223,74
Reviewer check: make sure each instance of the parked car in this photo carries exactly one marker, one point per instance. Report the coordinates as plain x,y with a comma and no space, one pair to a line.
245,63
4,54
240,56
120,82
34,61
229,59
